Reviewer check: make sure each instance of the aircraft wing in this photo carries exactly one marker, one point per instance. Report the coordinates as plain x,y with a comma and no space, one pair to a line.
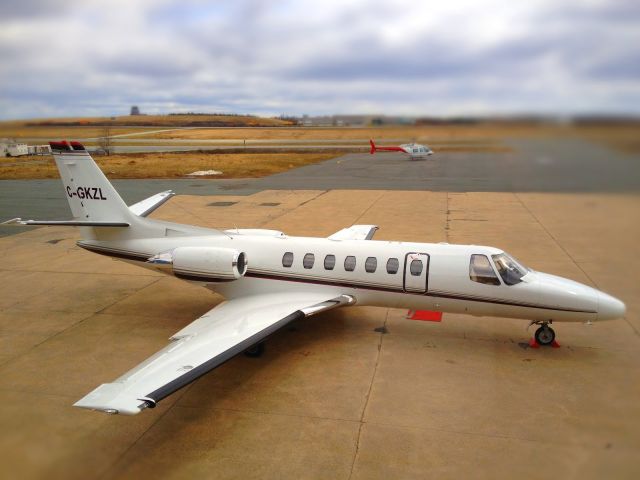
355,232
203,345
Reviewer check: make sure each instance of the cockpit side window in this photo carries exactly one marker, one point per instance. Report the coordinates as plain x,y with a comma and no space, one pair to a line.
481,271
510,270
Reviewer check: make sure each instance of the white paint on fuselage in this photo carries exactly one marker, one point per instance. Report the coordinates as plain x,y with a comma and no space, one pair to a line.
448,287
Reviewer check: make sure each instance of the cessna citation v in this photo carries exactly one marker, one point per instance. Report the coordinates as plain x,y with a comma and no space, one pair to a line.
414,150
270,279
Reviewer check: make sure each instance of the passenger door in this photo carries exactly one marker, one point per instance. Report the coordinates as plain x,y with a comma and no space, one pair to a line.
416,272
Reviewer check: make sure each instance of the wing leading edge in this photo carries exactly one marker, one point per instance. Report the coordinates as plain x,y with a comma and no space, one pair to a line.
203,345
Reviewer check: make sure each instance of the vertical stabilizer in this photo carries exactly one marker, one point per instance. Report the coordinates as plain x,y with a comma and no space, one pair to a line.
91,196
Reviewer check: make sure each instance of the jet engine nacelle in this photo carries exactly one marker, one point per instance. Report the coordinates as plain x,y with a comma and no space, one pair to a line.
204,263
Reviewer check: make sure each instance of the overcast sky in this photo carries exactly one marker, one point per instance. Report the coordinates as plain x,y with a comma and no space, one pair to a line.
445,57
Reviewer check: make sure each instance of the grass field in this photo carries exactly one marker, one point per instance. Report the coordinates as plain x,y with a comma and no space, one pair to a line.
475,133
485,137
165,121
64,132
168,165
80,127
622,136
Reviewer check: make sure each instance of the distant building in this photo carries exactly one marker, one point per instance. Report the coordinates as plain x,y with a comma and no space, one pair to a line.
39,149
135,110
9,148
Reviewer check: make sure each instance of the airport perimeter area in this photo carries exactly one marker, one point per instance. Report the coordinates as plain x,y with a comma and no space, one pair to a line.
354,393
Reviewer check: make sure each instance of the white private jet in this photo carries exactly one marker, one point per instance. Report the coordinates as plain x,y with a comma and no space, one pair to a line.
270,279
414,150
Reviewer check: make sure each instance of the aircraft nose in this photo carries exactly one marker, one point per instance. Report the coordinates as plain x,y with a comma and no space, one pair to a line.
610,308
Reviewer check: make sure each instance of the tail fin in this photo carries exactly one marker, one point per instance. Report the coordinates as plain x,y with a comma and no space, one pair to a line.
373,147
98,209
90,195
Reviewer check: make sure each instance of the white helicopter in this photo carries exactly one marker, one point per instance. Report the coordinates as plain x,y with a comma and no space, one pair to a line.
270,279
414,150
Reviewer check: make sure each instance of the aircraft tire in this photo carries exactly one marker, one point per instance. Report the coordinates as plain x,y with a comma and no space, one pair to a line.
255,351
545,335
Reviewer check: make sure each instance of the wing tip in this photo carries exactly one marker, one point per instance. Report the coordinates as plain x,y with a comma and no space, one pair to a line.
111,399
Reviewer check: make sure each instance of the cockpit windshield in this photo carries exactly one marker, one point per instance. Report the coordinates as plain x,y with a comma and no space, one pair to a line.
510,270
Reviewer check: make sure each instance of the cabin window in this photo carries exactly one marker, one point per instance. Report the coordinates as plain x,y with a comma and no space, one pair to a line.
287,259
371,264
416,267
308,260
329,262
481,271
350,263
392,266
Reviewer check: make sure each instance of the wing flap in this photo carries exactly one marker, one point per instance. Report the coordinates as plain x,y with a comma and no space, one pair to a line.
64,223
209,341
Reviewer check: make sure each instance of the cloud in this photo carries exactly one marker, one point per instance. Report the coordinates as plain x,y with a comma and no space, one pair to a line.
406,57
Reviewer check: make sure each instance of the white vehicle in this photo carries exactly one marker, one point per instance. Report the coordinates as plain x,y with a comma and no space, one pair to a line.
270,279
12,149
414,150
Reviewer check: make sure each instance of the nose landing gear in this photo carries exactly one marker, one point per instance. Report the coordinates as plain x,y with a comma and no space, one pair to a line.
544,336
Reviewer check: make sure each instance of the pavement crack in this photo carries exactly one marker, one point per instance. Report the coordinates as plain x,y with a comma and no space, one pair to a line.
109,470
314,198
369,208
447,225
265,412
190,213
368,396
272,218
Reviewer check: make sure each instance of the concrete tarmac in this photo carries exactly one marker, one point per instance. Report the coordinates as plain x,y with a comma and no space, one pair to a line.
357,393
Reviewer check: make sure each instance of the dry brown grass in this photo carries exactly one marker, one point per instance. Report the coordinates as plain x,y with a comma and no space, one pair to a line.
169,165
61,132
623,138
94,126
81,128
481,137
479,133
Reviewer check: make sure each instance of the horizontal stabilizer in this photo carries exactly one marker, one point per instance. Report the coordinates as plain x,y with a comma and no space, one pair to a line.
64,223
355,232
148,205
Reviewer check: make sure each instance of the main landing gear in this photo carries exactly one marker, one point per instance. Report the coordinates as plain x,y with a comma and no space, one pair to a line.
255,351
544,336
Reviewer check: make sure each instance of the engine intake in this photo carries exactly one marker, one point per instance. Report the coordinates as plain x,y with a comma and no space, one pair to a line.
204,264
